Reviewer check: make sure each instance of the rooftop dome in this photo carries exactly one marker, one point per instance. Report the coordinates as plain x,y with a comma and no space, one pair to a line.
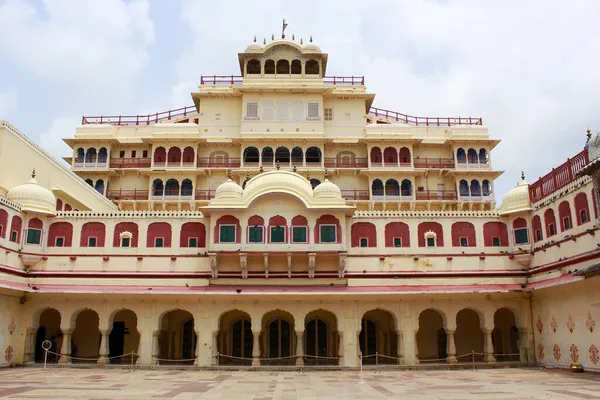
311,47
327,189
517,199
33,197
229,189
254,46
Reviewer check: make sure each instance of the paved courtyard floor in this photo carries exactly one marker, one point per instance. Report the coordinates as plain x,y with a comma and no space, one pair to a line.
505,384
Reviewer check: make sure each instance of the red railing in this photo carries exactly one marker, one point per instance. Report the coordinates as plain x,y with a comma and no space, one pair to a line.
344,80
433,162
217,80
127,194
342,163
559,177
355,194
206,162
121,120
426,121
205,194
130,162
436,195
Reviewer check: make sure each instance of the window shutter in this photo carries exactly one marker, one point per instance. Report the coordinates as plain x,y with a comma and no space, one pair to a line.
282,111
313,112
297,111
252,111
268,111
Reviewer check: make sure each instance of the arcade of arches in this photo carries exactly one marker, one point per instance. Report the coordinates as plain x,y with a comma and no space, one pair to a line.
244,335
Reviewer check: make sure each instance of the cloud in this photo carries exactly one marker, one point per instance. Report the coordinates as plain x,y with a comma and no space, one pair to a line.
531,75
8,103
99,46
52,139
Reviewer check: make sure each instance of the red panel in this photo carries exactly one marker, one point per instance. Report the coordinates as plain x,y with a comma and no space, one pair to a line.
160,154
536,224
16,225
405,155
3,223
363,230
564,211
463,230
68,207
59,205
256,220
550,219
581,204
435,227
228,220
60,229
125,227
299,220
397,230
492,230
278,220
159,230
376,155
188,155
35,223
93,229
519,223
174,155
328,220
390,155
191,230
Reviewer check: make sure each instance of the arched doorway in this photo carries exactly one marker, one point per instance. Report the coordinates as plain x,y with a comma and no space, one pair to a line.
177,339
234,341
469,336
321,339
124,337
505,336
378,338
431,337
278,338
49,329
85,341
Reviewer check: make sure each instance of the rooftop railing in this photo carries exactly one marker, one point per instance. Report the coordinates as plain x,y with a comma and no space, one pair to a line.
423,121
150,119
559,177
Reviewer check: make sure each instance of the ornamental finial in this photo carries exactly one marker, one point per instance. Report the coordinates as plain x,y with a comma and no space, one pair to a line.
307,176
254,38
589,133
311,38
261,170
295,169
230,174
301,41
272,36
522,175
293,37
277,166
264,40
325,173
33,173
283,29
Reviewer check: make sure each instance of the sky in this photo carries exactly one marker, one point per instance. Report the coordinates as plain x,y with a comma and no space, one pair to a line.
530,69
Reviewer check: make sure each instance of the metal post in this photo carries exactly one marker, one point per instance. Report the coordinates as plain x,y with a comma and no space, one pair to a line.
46,345
217,362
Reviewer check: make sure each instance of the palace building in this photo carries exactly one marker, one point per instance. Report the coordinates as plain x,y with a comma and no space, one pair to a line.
282,219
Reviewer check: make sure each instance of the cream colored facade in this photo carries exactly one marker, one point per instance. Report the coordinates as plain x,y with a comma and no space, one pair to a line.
284,220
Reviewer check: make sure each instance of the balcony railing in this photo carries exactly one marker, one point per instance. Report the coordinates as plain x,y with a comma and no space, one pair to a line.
220,80
172,195
150,119
423,121
471,164
207,162
205,194
436,195
130,162
90,164
475,197
391,195
173,164
344,80
355,194
433,162
127,194
346,163
559,177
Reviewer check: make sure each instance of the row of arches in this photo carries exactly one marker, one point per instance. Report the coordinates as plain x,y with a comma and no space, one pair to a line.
282,155
472,156
172,189
174,156
99,185
565,221
391,156
60,206
282,67
91,156
392,188
474,189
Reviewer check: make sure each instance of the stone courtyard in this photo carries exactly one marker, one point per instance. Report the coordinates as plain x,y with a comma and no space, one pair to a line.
95,384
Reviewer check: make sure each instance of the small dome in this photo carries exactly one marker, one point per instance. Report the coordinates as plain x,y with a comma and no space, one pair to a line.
311,47
327,189
33,197
254,47
516,200
229,189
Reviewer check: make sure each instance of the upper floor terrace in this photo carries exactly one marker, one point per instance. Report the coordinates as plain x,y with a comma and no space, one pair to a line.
559,177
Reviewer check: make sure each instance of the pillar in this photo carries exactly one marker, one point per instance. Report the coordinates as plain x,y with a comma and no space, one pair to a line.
30,345
255,349
66,347
103,359
341,348
489,347
299,348
155,336
451,357
214,348
197,350
400,347
416,344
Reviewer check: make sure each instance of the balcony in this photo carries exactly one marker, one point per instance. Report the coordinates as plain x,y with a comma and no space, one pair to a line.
91,164
175,195
122,163
236,80
429,195
173,165
392,195
475,197
394,116
390,164
205,195
136,120
344,80
434,162
207,162
355,194
346,163
559,177
475,164
134,194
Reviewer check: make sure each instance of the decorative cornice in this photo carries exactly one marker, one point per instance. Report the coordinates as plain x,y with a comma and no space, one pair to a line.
130,214
424,214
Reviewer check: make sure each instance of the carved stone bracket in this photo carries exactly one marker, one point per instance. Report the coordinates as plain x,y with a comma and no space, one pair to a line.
342,264
212,257
244,265
289,260
266,261
312,257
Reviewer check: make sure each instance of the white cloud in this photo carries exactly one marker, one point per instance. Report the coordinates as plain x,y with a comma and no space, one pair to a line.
99,46
52,139
8,103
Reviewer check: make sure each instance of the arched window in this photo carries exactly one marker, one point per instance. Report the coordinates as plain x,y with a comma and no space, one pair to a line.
158,188
282,155
461,156
405,157
80,155
582,209
89,182
328,230
160,156
187,188
390,156
159,235
277,229
392,188
564,212
520,231
536,225
267,155
463,234
256,229
102,155
174,156
59,205
313,155
486,188
406,188
253,67
269,67
297,156
68,207
60,234
475,188
15,229
3,223
90,155
192,234
376,156
283,67
463,188
312,67
100,186
188,155
495,234
483,156
314,182
430,234
34,232
251,155
125,235
296,67
363,234
227,230
299,229
550,222
377,188
397,234
472,156
172,187
92,234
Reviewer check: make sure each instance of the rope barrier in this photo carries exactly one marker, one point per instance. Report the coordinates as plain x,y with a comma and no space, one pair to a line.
90,358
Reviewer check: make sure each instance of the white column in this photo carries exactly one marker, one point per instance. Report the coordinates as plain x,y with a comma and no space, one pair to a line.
103,359
451,353
400,347
155,336
197,350
255,349
489,347
214,348
299,348
66,347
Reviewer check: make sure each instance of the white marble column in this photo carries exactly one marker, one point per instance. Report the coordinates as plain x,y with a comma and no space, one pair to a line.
341,348
66,347
255,349
451,353
197,350
489,347
299,348
103,359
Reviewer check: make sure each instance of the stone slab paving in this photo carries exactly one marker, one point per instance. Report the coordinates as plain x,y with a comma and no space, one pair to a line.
97,384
